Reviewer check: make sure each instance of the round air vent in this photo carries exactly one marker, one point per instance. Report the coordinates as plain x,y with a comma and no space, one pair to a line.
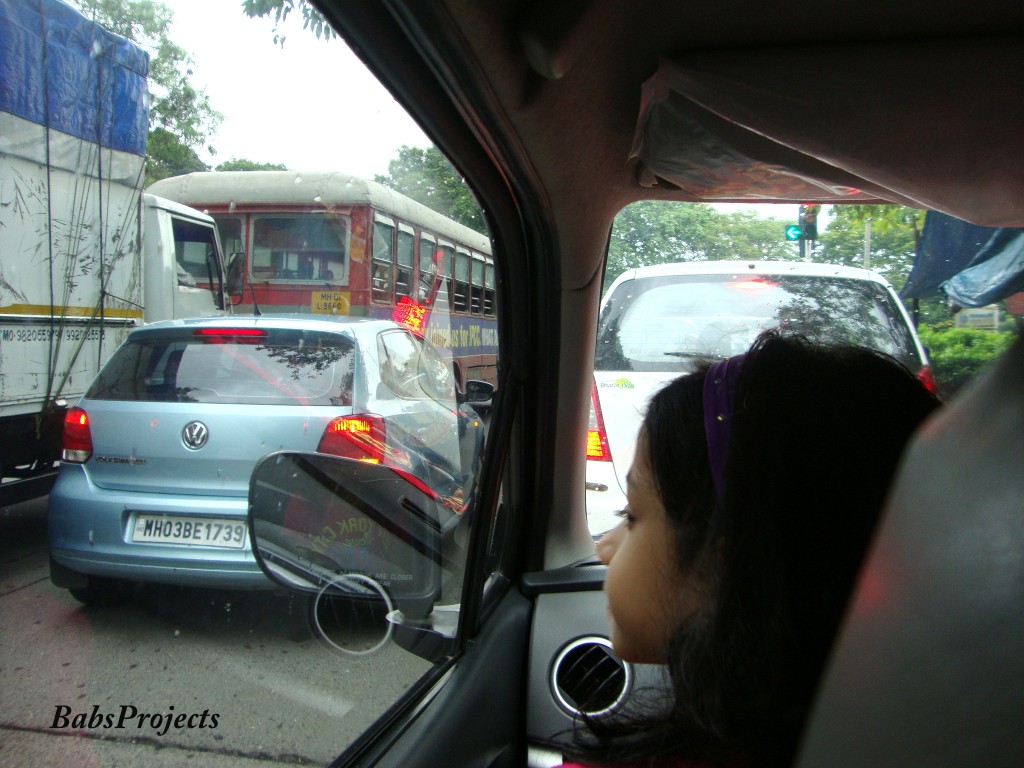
588,679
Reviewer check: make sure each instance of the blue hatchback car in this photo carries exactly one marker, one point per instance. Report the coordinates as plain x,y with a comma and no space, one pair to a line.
157,456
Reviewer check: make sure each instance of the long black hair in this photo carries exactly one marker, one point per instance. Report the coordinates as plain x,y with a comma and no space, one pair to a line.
816,435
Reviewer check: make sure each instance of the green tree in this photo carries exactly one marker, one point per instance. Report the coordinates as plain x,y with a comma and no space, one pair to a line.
176,107
894,233
426,176
658,232
240,164
167,156
279,10
958,355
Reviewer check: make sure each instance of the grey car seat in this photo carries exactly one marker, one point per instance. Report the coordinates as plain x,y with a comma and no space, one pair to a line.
929,667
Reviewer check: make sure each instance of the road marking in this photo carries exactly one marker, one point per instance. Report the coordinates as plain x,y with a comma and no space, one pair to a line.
295,690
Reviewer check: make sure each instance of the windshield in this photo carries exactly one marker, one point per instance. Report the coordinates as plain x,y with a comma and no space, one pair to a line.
661,324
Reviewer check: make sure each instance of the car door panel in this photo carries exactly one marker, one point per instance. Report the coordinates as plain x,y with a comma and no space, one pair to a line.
474,718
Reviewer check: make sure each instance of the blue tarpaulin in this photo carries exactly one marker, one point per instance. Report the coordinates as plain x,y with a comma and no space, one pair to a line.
51,57
974,266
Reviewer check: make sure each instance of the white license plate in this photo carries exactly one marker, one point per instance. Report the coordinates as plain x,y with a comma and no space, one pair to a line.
204,531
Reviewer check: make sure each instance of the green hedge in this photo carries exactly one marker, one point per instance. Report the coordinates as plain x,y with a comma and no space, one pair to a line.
958,354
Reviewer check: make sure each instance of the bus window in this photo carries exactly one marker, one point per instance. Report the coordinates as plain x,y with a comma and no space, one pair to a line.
404,259
428,271
489,289
462,273
476,295
230,230
383,248
300,247
447,270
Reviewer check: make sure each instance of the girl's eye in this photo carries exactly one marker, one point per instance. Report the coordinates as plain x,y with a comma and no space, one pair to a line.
626,515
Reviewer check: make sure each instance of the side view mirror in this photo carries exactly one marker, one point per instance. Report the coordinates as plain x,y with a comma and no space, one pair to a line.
478,392
359,537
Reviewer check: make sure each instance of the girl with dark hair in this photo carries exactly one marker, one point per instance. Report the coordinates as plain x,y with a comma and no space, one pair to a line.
753,496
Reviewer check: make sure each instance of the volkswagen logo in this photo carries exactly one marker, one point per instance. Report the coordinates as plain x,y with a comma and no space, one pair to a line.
194,435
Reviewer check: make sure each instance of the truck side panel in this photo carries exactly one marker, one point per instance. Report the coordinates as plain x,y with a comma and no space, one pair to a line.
73,125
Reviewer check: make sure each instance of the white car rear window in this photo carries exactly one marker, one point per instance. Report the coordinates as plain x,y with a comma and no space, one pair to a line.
664,323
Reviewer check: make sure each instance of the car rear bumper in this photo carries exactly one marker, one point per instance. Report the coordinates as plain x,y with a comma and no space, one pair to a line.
89,532
208,574
604,497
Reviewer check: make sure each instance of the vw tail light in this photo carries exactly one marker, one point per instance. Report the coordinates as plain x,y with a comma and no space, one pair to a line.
364,437
76,446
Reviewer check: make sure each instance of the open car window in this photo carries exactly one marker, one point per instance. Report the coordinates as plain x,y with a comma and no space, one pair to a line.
163,639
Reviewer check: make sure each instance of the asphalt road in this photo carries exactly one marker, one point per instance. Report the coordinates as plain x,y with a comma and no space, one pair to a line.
281,695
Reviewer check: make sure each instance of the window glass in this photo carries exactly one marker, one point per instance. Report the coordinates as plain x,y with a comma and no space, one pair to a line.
194,248
413,370
687,284
462,266
230,230
298,369
462,273
301,247
383,246
663,323
178,630
446,295
489,289
477,290
428,272
404,260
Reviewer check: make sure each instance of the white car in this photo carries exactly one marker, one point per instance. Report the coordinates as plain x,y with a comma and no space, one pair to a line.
660,322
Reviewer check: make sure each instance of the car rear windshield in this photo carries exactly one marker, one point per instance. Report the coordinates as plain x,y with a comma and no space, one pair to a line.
275,367
665,323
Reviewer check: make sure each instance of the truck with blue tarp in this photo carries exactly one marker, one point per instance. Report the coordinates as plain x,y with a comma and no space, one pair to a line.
85,253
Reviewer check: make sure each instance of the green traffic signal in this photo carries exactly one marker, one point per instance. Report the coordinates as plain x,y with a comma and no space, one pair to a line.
793,232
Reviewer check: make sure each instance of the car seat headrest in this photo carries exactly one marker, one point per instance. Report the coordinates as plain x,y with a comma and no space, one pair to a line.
928,668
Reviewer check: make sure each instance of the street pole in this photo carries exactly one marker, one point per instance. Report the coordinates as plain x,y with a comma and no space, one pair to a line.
867,244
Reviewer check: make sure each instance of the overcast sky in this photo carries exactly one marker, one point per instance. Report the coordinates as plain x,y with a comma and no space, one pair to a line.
310,105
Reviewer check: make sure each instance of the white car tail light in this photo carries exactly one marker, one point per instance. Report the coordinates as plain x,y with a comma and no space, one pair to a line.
597,438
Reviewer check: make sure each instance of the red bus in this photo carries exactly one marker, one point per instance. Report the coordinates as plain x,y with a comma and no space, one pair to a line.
330,243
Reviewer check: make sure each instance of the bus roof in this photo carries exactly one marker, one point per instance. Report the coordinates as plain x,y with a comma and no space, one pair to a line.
319,188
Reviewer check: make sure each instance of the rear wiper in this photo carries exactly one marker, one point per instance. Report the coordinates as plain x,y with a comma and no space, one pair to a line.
696,355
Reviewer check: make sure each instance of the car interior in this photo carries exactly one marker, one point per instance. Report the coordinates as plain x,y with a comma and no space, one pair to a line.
560,114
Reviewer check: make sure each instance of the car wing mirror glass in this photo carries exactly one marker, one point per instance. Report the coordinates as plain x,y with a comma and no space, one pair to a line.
347,529
478,391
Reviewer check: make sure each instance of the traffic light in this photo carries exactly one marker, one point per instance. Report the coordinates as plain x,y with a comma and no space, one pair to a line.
807,226
809,221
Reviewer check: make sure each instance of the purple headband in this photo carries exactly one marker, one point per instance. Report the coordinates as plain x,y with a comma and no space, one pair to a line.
719,396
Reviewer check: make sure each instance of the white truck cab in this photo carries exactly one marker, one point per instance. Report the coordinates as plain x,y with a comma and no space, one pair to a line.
183,273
